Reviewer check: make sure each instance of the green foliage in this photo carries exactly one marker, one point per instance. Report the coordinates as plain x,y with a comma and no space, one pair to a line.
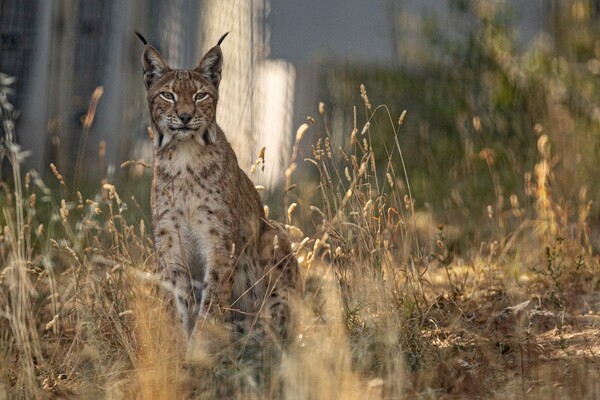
477,104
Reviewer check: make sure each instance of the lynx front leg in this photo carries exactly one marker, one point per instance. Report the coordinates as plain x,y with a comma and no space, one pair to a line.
218,284
282,279
185,301
175,266
216,297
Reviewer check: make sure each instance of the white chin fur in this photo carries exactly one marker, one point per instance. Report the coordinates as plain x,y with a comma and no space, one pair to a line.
170,136
184,135
199,135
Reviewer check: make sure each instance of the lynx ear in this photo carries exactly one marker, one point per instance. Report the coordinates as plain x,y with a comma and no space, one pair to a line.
154,65
212,63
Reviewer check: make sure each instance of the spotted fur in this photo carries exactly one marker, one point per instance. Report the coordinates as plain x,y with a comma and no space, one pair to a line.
223,259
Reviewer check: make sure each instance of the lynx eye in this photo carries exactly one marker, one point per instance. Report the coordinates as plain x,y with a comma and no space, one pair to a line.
167,96
201,97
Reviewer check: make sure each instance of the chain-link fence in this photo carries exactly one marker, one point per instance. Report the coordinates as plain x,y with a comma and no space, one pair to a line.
60,51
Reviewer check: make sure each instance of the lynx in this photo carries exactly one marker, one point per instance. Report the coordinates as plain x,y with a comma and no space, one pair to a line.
225,261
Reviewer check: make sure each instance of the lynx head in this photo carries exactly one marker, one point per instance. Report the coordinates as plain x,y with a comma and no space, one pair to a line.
182,102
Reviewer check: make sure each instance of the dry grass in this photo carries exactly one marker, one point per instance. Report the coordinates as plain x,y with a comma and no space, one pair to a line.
389,311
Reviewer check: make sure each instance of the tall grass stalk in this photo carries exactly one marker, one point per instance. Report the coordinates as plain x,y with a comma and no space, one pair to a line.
17,307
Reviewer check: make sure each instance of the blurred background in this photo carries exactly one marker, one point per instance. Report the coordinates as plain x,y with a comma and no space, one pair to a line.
482,82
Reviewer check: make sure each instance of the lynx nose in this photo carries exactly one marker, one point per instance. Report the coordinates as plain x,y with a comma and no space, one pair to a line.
185,118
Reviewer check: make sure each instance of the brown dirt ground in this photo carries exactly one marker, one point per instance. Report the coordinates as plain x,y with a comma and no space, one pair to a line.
523,342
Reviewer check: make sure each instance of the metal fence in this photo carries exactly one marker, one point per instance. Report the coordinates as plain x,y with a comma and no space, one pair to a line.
61,50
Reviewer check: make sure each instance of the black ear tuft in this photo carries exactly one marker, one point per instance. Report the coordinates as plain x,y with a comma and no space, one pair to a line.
154,65
212,63
222,38
141,38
